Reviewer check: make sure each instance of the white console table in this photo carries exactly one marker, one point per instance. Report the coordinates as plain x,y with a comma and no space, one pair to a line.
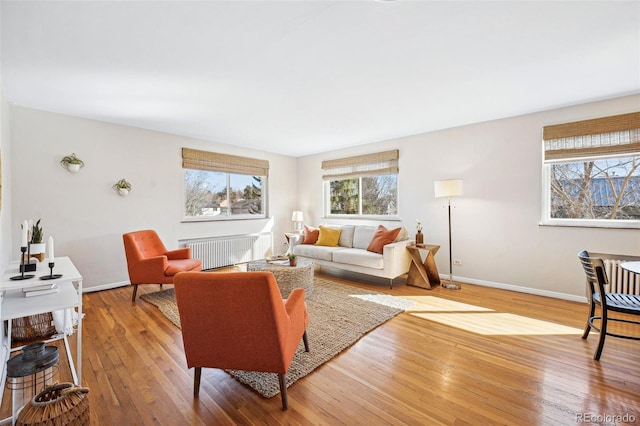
13,304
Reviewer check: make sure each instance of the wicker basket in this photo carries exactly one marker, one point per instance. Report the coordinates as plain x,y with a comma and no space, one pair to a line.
59,404
32,327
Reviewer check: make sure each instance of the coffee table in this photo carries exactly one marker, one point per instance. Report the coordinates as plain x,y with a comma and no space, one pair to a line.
288,277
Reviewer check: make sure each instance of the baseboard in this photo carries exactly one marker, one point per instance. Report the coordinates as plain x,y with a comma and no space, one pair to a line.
108,286
510,287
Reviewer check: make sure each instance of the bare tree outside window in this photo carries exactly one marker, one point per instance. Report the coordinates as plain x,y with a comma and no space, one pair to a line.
199,193
597,189
379,195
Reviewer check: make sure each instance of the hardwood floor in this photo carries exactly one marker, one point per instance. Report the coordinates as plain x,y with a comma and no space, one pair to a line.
425,366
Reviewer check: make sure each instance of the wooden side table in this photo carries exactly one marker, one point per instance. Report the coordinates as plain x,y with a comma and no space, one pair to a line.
423,274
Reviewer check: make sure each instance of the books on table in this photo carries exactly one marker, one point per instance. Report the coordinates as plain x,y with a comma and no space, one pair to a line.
40,290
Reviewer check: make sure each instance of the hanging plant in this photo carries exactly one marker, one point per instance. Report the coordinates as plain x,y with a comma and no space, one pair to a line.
122,186
72,163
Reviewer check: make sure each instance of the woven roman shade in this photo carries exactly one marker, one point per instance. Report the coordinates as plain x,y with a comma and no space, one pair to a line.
215,162
606,136
380,163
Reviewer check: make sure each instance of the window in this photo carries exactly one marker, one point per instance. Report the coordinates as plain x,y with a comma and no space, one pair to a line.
366,185
221,186
592,172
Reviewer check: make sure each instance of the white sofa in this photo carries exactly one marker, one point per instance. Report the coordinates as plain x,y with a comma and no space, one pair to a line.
351,254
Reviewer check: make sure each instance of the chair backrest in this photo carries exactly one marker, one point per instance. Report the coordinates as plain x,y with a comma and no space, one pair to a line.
143,244
596,274
233,320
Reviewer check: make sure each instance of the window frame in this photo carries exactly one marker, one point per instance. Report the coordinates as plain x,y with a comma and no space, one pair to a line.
229,165
327,205
583,154
547,220
587,140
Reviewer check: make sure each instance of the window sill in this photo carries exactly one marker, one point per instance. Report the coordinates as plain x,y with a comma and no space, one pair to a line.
220,218
362,217
602,224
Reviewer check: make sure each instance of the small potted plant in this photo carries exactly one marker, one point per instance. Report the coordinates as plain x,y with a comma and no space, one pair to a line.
36,246
72,163
123,187
293,260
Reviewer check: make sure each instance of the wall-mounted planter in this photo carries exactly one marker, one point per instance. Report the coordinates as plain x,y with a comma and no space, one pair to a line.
123,187
72,163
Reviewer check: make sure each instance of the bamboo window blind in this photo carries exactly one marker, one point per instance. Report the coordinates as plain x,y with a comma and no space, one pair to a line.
607,136
215,162
380,163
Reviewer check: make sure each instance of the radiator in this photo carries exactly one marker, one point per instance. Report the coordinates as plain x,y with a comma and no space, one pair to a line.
620,280
229,250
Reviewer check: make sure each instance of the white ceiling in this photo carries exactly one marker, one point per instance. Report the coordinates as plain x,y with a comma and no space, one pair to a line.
302,77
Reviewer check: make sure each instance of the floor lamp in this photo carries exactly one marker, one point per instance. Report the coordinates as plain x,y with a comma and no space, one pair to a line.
449,188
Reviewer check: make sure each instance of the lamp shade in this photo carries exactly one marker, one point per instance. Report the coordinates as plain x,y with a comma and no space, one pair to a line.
448,188
297,216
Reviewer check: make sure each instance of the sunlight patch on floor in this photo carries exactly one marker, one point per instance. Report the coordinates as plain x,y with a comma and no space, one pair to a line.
494,323
437,304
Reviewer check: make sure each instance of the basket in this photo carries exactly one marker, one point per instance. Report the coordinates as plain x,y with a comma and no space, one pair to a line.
59,404
32,327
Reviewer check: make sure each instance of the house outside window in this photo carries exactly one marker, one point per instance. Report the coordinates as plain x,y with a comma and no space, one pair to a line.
220,186
362,186
591,173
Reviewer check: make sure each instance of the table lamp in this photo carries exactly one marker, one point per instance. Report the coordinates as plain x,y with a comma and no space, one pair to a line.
297,217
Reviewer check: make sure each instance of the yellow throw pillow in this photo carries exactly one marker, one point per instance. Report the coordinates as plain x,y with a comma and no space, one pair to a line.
328,236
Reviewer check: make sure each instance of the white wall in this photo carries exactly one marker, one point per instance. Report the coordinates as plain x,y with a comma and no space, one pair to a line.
496,231
5,200
87,218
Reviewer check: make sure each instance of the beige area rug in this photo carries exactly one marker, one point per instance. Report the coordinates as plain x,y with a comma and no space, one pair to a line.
339,315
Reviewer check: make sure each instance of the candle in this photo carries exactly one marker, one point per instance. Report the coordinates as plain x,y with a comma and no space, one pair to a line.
29,230
51,256
23,240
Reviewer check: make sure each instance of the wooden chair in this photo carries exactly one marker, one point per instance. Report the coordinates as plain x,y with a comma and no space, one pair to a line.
609,302
149,261
239,321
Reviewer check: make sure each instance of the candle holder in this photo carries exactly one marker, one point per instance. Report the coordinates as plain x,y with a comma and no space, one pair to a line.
28,266
51,275
22,276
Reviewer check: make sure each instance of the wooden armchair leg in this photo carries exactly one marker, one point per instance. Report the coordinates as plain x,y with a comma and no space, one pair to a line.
283,392
197,373
133,296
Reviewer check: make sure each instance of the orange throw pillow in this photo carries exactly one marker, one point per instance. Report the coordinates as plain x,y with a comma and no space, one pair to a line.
310,235
381,238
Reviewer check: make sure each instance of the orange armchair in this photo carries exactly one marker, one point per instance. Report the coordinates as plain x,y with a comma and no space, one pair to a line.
149,261
239,321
